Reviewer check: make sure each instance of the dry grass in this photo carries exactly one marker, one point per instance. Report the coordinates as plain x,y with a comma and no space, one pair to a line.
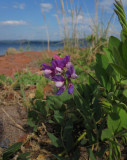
11,51
46,27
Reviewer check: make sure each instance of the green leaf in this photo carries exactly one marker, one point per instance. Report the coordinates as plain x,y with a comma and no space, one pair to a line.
108,55
122,36
65,96
100,69
3,77
113,42
67,135
120,69
11,150
31,123
24,156
121,16
117,56
91,154
39,91
54,102
125,93
119,8
59,116
114,122
124,52
106,134
123,118
55,141
102,61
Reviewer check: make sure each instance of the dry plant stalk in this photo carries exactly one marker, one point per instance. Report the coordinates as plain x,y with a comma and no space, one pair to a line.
17,125
46,27
70,23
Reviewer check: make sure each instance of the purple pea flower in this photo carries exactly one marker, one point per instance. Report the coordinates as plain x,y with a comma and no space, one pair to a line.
70,88
56,72
67,62
57,57
48,71
61,90
70,73
60,83
58,65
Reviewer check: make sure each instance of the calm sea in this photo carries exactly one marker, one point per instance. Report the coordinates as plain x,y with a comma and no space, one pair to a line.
29,45
24,45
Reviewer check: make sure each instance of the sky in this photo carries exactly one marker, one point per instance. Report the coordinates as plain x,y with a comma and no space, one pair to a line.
43,19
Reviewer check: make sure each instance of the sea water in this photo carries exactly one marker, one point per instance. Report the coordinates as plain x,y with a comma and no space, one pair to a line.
25,45
29,45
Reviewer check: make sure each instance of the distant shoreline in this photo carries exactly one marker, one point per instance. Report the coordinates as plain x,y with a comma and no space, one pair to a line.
29,46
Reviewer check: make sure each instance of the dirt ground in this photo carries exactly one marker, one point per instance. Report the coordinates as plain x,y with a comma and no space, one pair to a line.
15,63
13,116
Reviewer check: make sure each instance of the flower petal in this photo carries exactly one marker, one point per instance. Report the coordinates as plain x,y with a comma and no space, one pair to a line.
60,91
58,69
71,69
47,71
57,57
71,73
59,84
57,63
66,59
68,65
74,76
45,66
70,88
68,74
58,78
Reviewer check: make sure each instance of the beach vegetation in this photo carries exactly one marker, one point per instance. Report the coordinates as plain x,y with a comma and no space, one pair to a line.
12,51
84,116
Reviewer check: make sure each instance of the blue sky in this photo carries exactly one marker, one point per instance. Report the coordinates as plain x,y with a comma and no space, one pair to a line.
23,19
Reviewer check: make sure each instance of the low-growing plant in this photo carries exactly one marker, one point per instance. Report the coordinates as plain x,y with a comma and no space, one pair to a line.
95,115
92,115
26,79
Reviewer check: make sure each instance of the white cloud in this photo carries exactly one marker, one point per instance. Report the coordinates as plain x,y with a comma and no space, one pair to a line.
13,23
46,7
19,6
80,19
107,4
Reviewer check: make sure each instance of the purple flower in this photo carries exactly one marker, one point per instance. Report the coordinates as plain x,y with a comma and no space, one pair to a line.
57,57
67,62
61,90
70,88
59,83
48,71
56,72
71,73
58,65
58,78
